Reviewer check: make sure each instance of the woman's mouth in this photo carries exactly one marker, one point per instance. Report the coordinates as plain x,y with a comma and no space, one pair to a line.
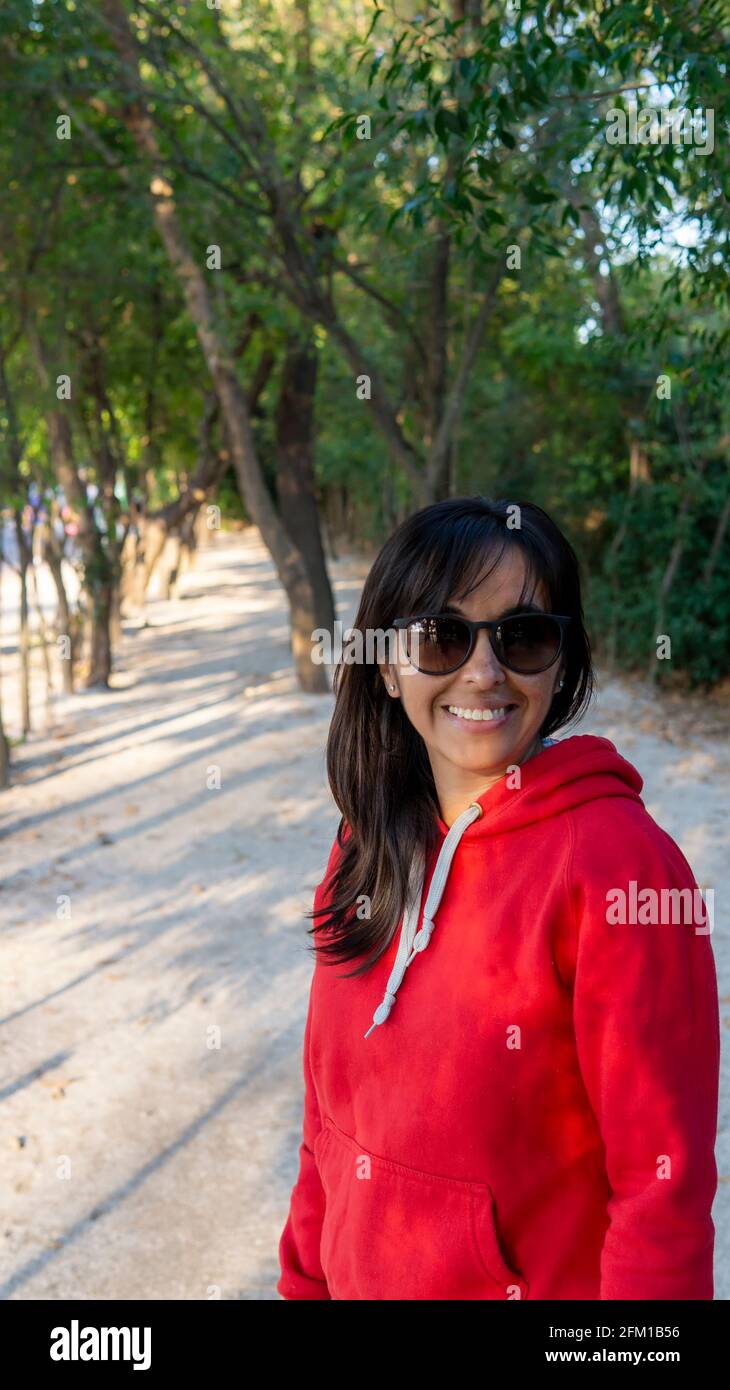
483,718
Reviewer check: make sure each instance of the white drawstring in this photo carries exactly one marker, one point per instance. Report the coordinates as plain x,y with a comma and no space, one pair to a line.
412,942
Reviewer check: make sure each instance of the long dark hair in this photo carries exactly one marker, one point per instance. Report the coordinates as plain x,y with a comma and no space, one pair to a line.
378,766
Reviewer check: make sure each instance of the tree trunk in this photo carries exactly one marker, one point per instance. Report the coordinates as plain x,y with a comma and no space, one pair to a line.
140,558
115,620
665,586
99,619
4,751
98,567
42,632
612,558
681,536
65,624
172,568
129,561
437,337
189,537
295,482
438,465
154,540
614,326
187,267
24,631
723,521
4,744
638,463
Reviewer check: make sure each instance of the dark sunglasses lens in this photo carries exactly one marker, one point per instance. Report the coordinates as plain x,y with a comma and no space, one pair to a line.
436,645
530,643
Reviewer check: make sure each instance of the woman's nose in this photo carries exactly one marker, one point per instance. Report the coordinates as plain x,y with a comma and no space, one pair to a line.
483,664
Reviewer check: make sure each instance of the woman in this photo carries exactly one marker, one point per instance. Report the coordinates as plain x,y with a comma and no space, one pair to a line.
530,1111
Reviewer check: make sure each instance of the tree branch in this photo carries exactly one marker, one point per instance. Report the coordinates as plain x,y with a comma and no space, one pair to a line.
455,398
396,315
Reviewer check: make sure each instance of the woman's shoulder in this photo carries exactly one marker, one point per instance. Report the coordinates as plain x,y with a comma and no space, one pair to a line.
617,836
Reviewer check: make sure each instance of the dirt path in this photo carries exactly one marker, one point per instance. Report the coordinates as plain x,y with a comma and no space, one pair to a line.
155,963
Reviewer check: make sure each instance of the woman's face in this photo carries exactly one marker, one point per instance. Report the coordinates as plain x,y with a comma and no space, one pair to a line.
467,755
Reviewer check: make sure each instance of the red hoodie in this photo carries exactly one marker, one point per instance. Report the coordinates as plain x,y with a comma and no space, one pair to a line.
536,1115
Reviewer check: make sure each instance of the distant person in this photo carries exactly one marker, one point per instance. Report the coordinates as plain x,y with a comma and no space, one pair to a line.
512,1042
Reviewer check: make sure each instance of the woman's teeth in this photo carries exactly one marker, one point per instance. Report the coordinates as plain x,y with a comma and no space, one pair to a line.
476,713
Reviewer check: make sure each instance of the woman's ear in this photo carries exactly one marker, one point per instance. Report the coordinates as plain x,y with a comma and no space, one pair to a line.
390,684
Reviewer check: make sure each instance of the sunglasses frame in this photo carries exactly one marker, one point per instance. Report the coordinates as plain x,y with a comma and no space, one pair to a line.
492,625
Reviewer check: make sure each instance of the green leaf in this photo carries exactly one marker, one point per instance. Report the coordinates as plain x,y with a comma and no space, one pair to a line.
446,122
489,216
336,123
535,194
373,22
377,60
415,202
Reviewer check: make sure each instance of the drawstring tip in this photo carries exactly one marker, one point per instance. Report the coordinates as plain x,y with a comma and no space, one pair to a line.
382,1011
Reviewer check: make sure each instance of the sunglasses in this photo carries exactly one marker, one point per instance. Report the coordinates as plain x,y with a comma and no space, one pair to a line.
526,643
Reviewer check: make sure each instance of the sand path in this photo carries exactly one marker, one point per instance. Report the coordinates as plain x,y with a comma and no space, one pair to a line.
147,913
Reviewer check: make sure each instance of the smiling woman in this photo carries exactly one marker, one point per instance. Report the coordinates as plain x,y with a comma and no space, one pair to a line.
474,836
399,756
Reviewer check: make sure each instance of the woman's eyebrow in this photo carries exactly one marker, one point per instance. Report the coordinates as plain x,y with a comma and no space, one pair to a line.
522,608
506,613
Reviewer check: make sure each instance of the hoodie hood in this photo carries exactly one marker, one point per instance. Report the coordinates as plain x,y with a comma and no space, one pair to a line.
566,774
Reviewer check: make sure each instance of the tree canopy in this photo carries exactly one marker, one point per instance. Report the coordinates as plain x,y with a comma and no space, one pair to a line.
314,265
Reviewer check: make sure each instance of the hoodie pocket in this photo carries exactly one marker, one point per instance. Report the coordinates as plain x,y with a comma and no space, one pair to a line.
392,1232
